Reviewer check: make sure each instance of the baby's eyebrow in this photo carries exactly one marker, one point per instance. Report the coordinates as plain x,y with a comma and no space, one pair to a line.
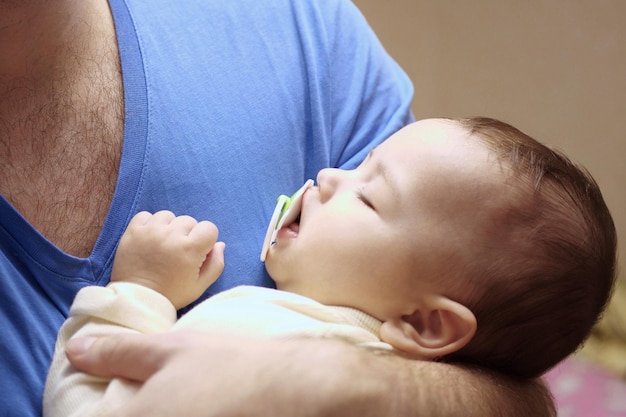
388,179
382,170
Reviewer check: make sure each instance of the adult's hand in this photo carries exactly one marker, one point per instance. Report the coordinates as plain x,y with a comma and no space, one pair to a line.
198,374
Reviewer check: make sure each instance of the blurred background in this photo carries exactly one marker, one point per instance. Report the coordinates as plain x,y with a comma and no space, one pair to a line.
556,69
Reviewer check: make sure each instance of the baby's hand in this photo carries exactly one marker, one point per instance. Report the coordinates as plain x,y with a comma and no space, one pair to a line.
176,256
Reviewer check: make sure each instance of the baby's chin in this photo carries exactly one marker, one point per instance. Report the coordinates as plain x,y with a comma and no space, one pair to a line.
273,264
284,258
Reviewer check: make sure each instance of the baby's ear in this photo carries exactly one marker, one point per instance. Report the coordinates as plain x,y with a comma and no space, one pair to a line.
438,328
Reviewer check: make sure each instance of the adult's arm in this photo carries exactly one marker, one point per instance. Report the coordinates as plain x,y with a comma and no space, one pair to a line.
204,375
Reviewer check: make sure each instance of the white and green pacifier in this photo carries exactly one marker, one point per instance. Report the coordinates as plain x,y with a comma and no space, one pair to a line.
286,212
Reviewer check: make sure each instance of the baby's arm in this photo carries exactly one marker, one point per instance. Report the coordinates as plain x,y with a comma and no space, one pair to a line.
175,256
163,262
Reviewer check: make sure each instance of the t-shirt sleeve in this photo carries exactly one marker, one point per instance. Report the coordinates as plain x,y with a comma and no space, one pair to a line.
371,94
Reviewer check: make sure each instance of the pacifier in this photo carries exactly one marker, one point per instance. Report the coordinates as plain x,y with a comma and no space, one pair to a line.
286,212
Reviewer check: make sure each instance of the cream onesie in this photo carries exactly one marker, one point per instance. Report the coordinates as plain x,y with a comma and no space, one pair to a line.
131,308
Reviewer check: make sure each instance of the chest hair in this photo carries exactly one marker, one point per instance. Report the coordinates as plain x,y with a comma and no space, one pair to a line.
60,146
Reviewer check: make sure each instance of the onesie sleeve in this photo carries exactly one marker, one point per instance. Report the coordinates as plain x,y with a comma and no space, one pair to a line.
99,311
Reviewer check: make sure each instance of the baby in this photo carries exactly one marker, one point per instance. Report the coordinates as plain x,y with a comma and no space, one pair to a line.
457,240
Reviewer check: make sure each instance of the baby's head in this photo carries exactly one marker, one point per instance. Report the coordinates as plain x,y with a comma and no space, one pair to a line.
450,223
548,264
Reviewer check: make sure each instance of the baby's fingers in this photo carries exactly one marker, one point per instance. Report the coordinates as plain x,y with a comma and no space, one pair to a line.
140,219
213,264
183,225
204,234
162,217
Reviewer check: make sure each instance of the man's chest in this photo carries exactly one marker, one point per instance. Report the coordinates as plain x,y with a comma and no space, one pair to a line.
66,197
59,162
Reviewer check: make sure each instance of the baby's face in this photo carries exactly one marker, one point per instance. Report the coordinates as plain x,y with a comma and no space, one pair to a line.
378,237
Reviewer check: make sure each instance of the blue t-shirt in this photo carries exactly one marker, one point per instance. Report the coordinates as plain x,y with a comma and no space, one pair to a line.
227,105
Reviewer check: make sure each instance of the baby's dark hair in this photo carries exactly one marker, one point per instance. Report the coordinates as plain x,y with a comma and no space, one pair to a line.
539,294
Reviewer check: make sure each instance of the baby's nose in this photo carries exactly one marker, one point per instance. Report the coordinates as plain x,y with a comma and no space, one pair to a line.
328,179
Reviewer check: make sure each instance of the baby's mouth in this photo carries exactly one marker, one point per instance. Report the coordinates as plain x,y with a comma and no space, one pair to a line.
295,226
285,217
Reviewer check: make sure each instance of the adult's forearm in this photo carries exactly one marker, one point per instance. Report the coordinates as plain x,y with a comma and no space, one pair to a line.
343,380
233,376
386,384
